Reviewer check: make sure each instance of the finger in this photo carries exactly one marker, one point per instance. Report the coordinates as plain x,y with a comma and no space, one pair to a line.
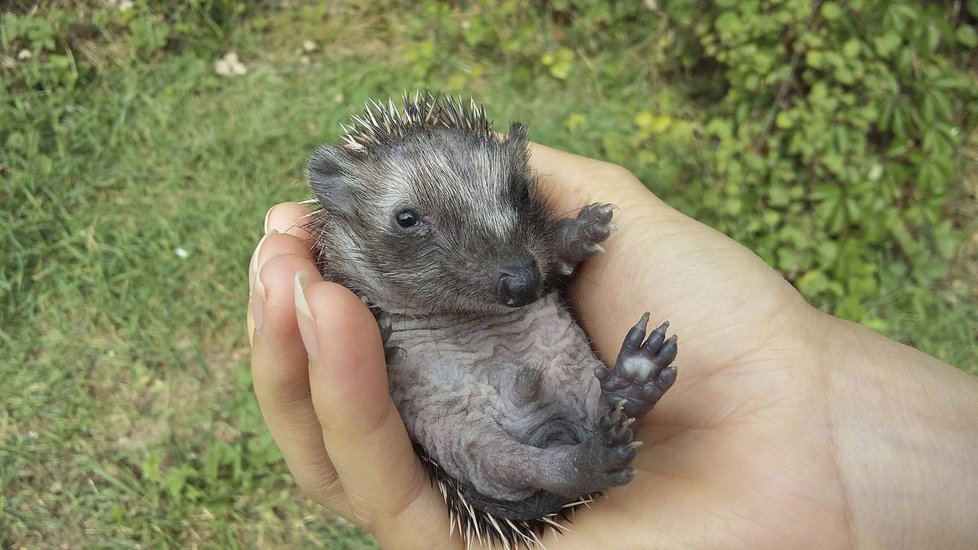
571,182
280,244
389,489
290,218
277,244
281,378
287,218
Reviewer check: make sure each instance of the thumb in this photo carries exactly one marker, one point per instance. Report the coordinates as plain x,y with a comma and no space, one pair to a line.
389,490
715,291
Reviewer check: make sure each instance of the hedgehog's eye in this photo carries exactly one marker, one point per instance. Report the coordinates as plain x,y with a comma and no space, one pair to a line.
524,194
407,219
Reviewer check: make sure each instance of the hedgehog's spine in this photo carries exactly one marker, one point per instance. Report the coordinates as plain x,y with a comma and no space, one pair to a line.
380,123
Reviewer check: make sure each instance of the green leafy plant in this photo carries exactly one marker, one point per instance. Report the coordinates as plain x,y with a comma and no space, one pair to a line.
835,136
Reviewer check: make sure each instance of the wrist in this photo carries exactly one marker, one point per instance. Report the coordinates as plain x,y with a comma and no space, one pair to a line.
905,428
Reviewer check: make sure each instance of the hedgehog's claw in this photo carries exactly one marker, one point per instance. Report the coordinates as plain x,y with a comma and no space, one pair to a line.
592,248
386,329
392,354
564,268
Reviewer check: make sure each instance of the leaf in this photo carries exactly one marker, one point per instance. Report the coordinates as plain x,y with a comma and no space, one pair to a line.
727,23
933,37
788,260
561,69
887,44
903,239
812,283
784,120
875,172
827,251
851,48
831,11
814,59
660,124
946,240
574,122
967,36
952,81
643,119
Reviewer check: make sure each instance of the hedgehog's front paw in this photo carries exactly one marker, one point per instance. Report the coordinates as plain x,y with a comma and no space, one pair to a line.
642,373
391,353
384,324
578,238
605,457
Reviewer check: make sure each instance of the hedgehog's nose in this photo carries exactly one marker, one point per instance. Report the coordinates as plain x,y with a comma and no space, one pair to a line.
518,284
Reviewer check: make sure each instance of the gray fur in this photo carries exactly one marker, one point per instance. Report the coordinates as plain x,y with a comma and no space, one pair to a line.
510,402
466,188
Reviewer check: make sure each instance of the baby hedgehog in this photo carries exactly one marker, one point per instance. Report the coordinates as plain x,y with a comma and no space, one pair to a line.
440,225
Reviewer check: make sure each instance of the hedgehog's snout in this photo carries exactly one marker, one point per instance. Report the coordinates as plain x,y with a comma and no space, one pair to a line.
518,283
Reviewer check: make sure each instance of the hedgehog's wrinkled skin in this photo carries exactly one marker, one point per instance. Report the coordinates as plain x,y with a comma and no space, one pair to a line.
439,224
511,404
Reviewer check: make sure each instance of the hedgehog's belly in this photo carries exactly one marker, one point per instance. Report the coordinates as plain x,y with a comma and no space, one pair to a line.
557,411
527,371
530,369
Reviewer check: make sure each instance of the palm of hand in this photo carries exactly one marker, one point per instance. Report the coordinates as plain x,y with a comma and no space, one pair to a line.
740,448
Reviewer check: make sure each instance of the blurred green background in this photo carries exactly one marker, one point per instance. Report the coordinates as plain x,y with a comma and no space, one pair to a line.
137,159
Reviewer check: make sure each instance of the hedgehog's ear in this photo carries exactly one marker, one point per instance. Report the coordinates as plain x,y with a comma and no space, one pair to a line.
516,142
331,169
517,133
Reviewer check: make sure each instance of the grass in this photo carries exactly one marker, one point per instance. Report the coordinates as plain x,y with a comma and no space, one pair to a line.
128,417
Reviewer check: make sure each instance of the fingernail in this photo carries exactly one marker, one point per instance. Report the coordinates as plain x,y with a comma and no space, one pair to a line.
258,303
307,324
267,215
254,257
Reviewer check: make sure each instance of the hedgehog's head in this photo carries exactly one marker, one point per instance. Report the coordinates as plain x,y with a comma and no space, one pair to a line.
435,214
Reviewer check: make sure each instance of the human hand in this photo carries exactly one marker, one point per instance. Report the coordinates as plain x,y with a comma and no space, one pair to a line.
760,442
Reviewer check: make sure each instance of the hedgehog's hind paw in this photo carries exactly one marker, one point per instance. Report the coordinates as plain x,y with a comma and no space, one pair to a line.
606,456
643,372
